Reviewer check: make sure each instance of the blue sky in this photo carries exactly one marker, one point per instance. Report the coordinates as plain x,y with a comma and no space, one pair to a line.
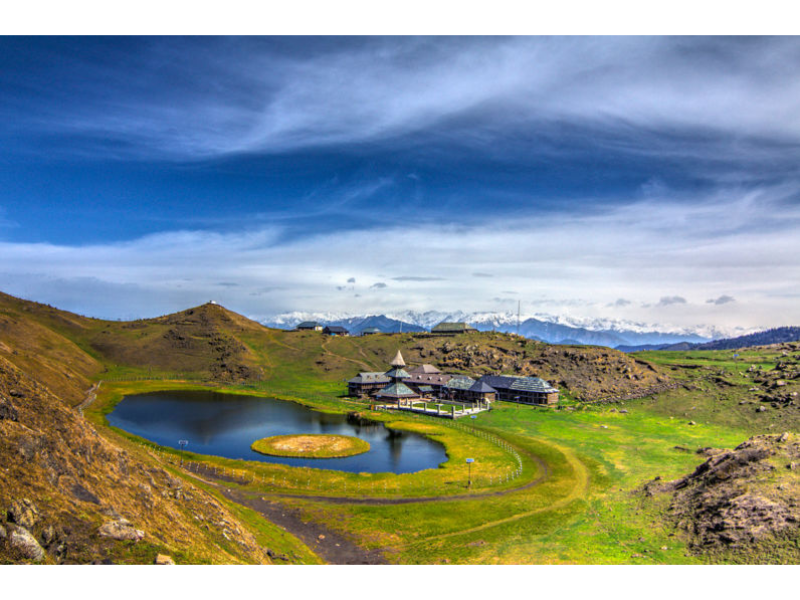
654,179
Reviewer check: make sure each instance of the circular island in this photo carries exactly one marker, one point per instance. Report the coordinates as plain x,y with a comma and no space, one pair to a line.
311,445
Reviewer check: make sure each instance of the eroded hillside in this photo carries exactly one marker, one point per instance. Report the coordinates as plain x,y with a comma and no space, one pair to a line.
67,495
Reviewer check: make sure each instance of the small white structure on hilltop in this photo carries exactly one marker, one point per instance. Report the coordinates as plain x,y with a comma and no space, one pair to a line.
212,301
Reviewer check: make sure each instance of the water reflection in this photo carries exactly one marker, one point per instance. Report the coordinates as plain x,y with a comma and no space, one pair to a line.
226,425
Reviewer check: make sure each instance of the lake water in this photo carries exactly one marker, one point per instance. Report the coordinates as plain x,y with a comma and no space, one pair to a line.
226,424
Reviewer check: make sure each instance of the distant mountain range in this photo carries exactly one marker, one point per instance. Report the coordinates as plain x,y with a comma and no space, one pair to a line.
542,327
779,335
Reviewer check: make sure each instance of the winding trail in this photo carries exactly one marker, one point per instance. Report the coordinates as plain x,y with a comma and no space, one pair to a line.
324,347
91,396
331,546
579,491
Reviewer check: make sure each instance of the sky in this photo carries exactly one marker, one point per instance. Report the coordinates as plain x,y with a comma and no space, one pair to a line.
650,179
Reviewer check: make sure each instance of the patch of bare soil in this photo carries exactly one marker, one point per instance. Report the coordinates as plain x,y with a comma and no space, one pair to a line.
311,445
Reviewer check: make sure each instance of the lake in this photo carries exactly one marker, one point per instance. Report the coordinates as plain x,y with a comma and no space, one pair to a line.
226,424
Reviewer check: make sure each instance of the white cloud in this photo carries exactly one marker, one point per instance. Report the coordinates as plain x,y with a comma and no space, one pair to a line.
738,243
384,88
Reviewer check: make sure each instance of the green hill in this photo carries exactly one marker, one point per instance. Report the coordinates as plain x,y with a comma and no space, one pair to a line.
623,420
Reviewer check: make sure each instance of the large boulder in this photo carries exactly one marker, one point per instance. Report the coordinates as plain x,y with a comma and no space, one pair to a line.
21,541
23,512
121,529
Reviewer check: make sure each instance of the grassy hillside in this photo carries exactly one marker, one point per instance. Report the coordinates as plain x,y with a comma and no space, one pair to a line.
624,420
83,499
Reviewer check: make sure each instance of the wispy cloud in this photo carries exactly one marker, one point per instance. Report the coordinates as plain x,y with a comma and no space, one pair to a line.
199,98
708,248
724,299
670,300
417,278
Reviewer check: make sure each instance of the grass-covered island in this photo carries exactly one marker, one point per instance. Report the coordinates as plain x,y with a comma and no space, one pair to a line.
309,445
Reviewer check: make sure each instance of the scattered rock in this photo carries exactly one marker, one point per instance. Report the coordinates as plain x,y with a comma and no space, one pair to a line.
121,529
665,547
7,410
761,409
624,411
730,500
163,559
321,536
23,512
25,544
692,423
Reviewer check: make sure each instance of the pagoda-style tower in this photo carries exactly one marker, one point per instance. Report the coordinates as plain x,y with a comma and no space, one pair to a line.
397,391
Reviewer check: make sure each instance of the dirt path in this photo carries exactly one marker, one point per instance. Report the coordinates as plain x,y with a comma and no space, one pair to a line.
329,545
325,350
580,490
91,396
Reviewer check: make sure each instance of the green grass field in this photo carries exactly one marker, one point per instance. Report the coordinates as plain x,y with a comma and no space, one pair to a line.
576,499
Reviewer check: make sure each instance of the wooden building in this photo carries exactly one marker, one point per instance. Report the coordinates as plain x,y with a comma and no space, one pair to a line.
526,390
367,384
334,330
427,376
397,391
309,326
452,328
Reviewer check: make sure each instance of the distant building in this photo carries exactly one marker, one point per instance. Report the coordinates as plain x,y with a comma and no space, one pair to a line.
526,390
453,328
370,331
401,385
335,330
309,326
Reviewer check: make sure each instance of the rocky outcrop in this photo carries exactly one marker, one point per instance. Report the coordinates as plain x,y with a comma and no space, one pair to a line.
163,559
741,497
122,530
25,545
23,512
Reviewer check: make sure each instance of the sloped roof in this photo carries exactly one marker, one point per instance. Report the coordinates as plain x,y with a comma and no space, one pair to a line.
432,379
516,382
398,361
308,325
370,378
482,387
397,390
397,373
336,329
427,369
460,383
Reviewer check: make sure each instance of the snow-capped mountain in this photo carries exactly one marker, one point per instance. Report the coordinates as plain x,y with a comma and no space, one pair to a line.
548,328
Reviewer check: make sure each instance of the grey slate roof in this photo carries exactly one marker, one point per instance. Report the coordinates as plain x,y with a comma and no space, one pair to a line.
515,382
308,325
460,383
370,378
335,329
397,373
397,390
482,387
